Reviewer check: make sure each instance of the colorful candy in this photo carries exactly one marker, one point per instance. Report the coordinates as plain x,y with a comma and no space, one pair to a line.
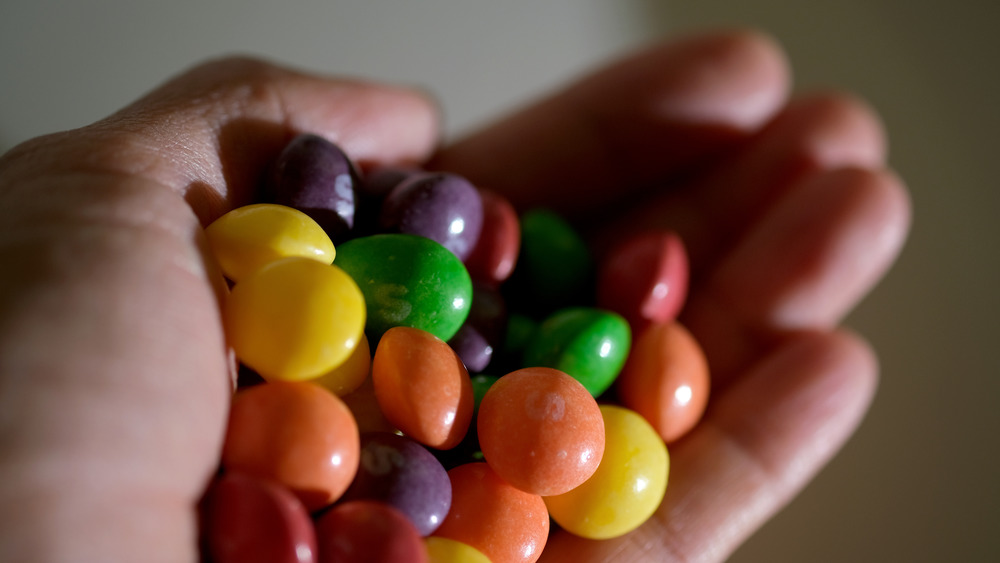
294,319
555,267
363,531
506,524
541,431
314,176
493,257
645,279
297,434
444,550
251,520
250,237
626,488
399,472
408,280
442,207
666,380
589,344
422,387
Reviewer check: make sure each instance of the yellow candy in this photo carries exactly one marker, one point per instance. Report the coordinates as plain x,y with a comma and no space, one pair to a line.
444,550
348,376
250,237
295,319
628,485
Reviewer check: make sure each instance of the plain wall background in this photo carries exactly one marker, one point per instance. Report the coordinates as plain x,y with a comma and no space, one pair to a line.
919,482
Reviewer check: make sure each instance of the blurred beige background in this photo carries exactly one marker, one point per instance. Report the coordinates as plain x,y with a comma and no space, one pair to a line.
921,479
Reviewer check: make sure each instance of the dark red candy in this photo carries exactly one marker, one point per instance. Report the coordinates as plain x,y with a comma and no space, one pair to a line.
314,176
492,259
403,474
250,520
645,279
364,531
442,207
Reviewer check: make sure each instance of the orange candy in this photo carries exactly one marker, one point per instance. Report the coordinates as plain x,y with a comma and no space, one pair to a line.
422,387
541,430
505,523
666,380
296,433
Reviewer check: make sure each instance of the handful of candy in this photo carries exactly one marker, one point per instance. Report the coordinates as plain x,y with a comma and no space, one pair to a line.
427,376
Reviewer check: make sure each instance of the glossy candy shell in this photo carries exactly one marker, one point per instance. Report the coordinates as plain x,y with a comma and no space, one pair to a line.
555,266
444,550
494,256
442,207
314,176
250,237
589,344
627,487
294,319
506,524
422,387
250,520
408,280
645,279
348,376
297,434
368,532
666,380
541,431
399,472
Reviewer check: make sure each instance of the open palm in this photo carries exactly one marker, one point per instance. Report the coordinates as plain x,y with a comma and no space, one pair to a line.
114,376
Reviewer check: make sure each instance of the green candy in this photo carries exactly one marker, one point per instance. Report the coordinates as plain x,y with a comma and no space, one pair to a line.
555,264
587,343
408,280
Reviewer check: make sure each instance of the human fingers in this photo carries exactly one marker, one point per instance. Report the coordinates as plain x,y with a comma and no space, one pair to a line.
813,133
760,442
630,126
113,360
804,265
210,133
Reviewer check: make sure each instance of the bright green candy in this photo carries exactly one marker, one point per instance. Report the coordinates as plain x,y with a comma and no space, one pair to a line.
555,260
589,344
408,280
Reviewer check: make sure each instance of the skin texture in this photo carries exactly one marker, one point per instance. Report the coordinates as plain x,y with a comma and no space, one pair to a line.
109,435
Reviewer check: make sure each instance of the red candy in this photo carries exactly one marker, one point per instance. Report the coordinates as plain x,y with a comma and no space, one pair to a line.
250,520
505,523
495,253
422,387
363,531
296,433
541,431
666,380
645,279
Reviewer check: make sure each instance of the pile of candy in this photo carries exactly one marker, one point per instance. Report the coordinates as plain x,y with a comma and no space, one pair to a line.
358,310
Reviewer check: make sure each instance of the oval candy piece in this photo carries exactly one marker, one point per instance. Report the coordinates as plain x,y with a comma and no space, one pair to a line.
495,253
250,237
627,487
645,279
361,530
443,207
555,267
408,280
444,550
587,343
296,433
541,431
422,387
666,380
505,523
314,176
294,319
251,520
399,472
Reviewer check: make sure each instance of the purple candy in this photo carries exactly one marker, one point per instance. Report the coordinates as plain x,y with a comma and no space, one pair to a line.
314,176
472,347
442,207
405,475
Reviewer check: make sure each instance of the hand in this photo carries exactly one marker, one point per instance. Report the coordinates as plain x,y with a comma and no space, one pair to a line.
114,376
